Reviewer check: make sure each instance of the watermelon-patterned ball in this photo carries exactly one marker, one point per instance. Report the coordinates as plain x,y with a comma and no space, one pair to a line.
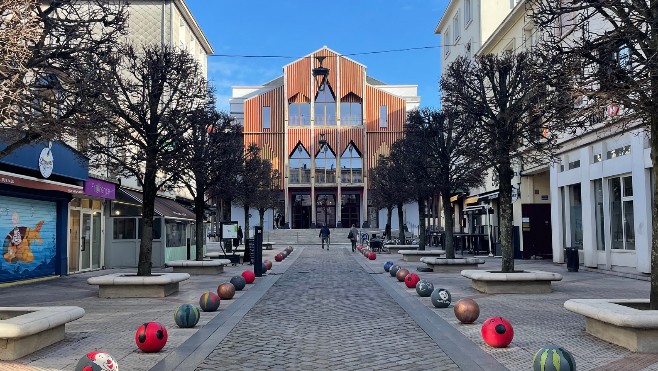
187,316
209,301
394,270
238,282
497,332
424,288
411,279
441,298
249,276
278,257
553,358
388,265
151,337
97,361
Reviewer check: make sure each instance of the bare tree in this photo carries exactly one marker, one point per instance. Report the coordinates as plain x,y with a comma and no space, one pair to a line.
268,195
608,53
46,89
254,177
382,188
516,113
144,104
451,148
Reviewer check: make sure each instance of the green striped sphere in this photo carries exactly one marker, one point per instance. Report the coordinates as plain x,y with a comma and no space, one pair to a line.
553,358
187,315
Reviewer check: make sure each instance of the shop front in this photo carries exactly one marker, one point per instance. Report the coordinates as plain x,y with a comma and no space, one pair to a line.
37,182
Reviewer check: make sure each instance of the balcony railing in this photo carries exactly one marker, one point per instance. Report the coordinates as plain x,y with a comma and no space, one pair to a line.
323,176
354,176
298,176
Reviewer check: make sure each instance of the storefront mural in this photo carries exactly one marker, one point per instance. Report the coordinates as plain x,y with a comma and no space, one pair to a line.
28,246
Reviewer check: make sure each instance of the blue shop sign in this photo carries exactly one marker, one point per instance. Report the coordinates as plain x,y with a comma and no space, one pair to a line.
49,158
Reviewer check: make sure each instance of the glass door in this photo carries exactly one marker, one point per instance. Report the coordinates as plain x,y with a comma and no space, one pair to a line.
74,240
85,242
96,240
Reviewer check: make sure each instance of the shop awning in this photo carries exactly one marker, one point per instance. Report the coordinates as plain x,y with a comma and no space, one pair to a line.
471,200
164,207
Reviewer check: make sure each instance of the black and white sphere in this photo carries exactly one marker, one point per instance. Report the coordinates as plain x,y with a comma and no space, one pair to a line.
394,270
424,288
441,298
239,282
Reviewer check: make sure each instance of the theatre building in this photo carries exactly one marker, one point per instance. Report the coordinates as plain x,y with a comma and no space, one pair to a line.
323,125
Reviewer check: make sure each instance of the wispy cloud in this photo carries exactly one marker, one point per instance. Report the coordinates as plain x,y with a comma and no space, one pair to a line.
225,73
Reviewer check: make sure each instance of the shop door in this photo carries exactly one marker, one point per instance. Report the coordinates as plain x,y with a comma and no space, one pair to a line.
536,229
85,242
301,212
350,210
325,208
96,236
74,240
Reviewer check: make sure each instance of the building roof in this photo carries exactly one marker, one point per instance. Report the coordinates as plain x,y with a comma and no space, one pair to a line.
194,26
324,48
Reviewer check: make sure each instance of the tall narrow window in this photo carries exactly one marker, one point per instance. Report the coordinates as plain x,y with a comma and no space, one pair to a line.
325,165
300,166
325,106
576,216
267,119
351,165
467,12
456,27
446,43
598,211
383,117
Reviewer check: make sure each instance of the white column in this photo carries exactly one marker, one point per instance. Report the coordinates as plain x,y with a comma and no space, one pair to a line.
641,202
588,202
556,216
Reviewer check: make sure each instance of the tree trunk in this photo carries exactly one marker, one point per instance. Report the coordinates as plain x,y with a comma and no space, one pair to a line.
506,219
421,217
218,217
245,233
449,225
148,210
653,295
261,216
389,215
199,208
401,224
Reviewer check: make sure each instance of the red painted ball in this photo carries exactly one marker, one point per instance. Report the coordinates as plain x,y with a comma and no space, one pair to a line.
360,247
249,276
151,337
278,257
497,332
372,255
411,280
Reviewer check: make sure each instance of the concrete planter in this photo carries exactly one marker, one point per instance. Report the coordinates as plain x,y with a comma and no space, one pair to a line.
122,285
624,322
524,282
444,265
194,267
396,249
416,255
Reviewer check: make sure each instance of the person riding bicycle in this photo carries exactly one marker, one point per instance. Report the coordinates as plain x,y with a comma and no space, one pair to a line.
354,233
324,235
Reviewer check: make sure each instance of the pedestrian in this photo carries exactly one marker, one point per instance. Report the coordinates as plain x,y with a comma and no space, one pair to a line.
324,235
240,235
354,233
387,231
277,219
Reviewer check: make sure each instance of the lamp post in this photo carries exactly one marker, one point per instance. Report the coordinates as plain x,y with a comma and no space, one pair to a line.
320,74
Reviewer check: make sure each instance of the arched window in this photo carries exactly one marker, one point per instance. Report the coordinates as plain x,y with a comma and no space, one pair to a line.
325,106
351,165
325,165
351,111
300,166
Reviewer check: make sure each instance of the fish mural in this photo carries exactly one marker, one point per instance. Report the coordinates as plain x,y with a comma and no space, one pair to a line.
16,246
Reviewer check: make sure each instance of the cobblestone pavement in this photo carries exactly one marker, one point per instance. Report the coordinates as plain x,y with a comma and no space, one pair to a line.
325,313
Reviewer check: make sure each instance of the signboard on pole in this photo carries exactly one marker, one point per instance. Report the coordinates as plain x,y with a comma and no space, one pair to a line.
229,230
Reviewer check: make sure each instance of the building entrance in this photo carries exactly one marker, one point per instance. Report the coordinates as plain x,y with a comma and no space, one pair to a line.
301,211
349,213
325,210
85,234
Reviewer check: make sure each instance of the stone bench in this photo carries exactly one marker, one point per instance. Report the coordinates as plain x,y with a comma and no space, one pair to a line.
233,257
194,267
24,330
415,255
522,282
444,265
122,285
268,245
395,249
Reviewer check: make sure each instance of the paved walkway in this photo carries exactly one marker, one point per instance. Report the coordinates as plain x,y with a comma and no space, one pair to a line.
331,310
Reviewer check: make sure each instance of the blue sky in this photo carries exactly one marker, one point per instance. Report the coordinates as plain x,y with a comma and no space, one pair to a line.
298,27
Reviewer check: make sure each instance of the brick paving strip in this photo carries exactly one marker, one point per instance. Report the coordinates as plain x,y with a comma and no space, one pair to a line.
327,312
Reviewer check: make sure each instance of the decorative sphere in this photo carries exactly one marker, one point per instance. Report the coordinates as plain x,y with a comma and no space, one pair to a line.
151,337
249,276
289,249
226,291
553,358
187,316
278,257
209,301
424,288
284,254
360,247
268,265
441,298
497,332
238,282
394,270
372,255
467,310
411,279
388,265
401,274
263,268
97,361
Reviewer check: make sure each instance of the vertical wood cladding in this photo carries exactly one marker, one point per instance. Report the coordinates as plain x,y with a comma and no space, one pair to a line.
298,79
380,139
296,135
330,62
351,78
354,134
270,141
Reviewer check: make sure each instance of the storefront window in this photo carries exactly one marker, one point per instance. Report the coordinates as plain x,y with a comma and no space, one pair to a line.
598,211
125,209
576,215
157,228
125,228
175,233
622,221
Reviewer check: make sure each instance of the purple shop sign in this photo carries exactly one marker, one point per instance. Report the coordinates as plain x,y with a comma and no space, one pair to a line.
99,188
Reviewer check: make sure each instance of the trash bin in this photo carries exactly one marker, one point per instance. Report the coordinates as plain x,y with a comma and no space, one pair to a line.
571,254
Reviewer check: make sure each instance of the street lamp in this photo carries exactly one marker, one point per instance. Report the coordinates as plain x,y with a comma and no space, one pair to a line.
320,74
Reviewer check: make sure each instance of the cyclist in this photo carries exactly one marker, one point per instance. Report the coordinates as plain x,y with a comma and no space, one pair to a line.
324,235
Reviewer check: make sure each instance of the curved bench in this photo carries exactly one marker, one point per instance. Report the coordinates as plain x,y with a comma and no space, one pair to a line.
122,285
444,265
521,282
415,255
194,267
395,249
24,330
